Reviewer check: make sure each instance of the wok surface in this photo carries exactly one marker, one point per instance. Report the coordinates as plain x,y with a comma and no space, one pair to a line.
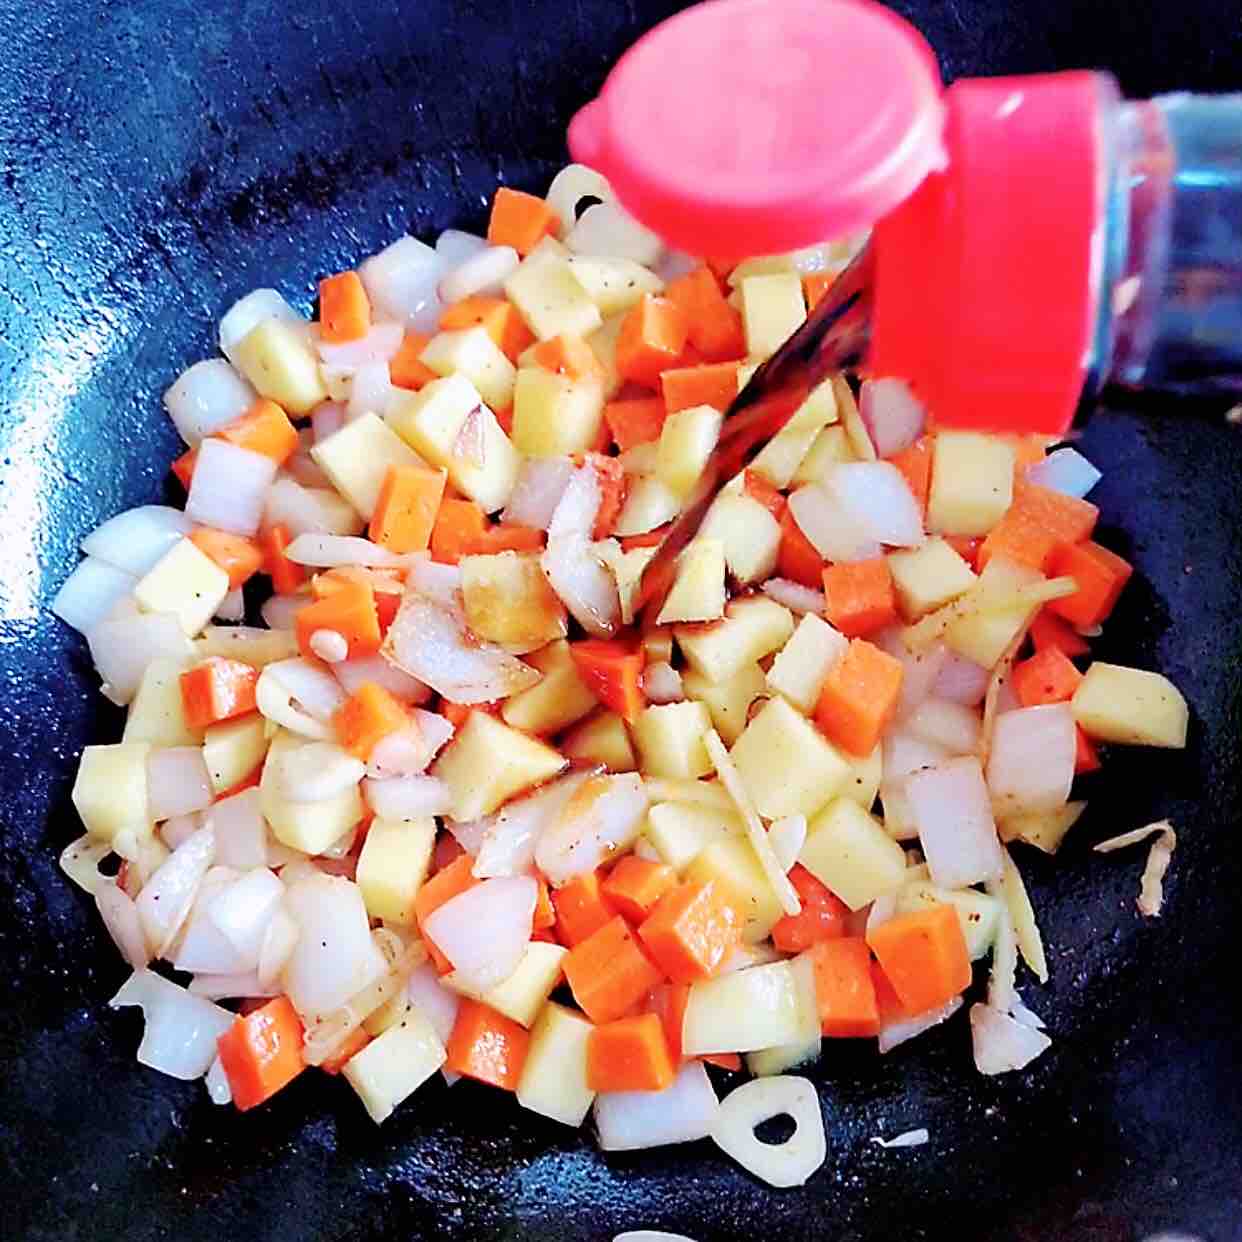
159,160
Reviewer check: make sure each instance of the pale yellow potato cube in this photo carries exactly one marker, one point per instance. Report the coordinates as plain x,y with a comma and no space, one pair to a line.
977,912
728,701
773,309
627,568
387,1015
734,866
279,361
669,738
185,582
849,852
830,448
603,343
680,831
698,591
768,1062
507,600
752,628
559,699
488,763
750,534
554,1074
863,783
856,434
984,636
356,458
551,299
393,866
1131,707
473,353
393,1066
320,509
602,739
686,442
1043,829
157,712
525,992
307,826
553,415
929,577
760,1007
802,665
614,285
233,749
761,265
648,504
971,483
430,421
786,763
779,460
110,790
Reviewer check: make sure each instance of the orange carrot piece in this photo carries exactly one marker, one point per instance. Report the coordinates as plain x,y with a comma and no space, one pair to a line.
447,851
758,488
570,356
1037,521
860,597
844,988
1047,677
545,913
859,697
635,884
462,529
487,1046
822,916
354,1043
217,689
798,558
886,999
713,383
636,420
581,909
630,1054
449,882
262,1052
499,316
691,931
649,540
286,575
183,467
815,285
351,612
924,956
608,973
915,464
520,220
723,1060
652,339
264,428
715,328
612,670
405,511
405,367
1100,575
370,714
613,485
239,557
1086,757
344,308
1049,632
669,1002
246,782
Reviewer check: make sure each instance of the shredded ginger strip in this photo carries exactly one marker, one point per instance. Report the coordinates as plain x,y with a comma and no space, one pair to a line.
1151,891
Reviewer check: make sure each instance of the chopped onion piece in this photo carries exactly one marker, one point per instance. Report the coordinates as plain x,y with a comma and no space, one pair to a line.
948,725
485,930
205,398
329,551
674,264
541,483
469,835
790,1163
178,782
602,817
371,391
951,807
247,313
201,948
229,487
308,510
433,1000
1066,470
90,593
218,1089
483,273
823,520
316,771
470,446
507,839
1031,760
240,986
404,752
919,669
80,861
787,837
683,1113
181,1029
578,507
607,229
583,583
277,947
1020,1013
232,607
120,917
327,419
122,649
354,673
893,415
1151,892
407,797
166,898
1002,1043
662,683
379,345
910,1138
243,911
569,187
795,597
401,283
330,646
894,1033
299,696
455,246
136,539
961,681
876,501
279,611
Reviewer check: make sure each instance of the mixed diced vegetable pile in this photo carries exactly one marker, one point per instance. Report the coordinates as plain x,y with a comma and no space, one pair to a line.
461,805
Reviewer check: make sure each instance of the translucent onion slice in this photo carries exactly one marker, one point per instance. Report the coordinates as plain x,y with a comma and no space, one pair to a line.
683,1113
135,540
181,1029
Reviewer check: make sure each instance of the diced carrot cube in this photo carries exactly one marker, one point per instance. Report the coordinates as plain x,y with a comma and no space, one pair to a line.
487,1046
612,669
652,339
758,488
239,557
798,559
924,955
822,916
265,429
630,1054
350,612
183,467
915,464
636,420
844,988
1049,632
814,286
462,529
344,308
405,511
713,383
1037,521
859,697
635,884
570,356
370,714
691,931
860,597
1086,757
217,689
449,882
520,220
608,973
406,368
581,909
262,1052
668,1002
499,316
1047,677
715,328
651,539
286,575
1100,575
545,913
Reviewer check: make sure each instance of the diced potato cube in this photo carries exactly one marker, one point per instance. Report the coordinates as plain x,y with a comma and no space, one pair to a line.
830,448
554,1075
551,299
760,1007
393,865
728,701
768,1062
972,483
554,702
391,1068
233,749
984,636
110,790
698,592
431,420
601,739
786,763
681,831
614,285
1043,829
856,434
849,852
773,309
278,360
319,509
929,577
761,265
1131,707
685,444
752,628
356,458
750,534
976,911
157,714
735,868
669,738
779,460
603,343
307,826
473,353
802,665
185,582
508,601
487,763
523,994
555,416
648,504
863,783
627,568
